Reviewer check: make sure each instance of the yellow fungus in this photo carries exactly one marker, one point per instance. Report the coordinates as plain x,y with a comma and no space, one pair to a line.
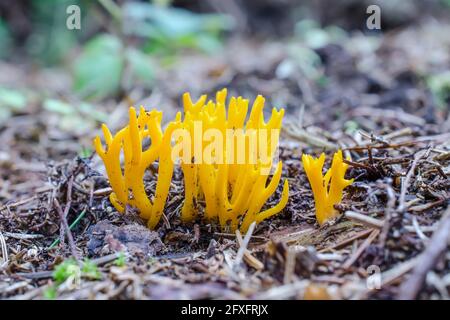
233,183
226,160
327,189
128,182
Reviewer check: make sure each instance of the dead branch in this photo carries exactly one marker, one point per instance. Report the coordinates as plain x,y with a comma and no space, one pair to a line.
427,260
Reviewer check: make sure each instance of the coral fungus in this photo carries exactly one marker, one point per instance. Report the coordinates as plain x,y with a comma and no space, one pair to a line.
231,175
226,161
128,184
328,189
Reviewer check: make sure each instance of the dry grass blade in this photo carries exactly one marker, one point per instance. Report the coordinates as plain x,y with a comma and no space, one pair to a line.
4,250
243,246
297,133
366,220
23,236
62,216
361,249
251,260
405,185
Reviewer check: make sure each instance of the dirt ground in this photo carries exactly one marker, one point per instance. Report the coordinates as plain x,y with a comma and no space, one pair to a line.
372,101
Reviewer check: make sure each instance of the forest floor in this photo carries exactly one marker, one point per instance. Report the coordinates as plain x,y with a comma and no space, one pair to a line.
372,99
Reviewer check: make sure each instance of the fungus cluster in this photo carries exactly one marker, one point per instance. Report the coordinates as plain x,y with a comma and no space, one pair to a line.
226,157
232,175
227,168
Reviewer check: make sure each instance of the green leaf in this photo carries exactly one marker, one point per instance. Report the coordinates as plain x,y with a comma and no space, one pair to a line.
90,270
141,67
208,43
169,28
68,268
121,261
313,36
5,40
58,106
78,119
71,268
351,126
76,123
12,99
50,293
50,41
98,69
307,60
439,85
85,152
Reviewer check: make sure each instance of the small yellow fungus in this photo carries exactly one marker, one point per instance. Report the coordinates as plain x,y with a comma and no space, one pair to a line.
328,189
128,182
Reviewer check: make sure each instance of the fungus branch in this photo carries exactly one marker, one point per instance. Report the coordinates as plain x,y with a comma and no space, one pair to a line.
128,183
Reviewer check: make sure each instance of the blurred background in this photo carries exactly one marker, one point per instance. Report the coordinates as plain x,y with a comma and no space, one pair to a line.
57,85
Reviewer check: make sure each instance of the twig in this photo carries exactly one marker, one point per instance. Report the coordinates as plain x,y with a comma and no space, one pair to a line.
399,133
35,275
72,225
289,266
431,228
366,220
373,138
427,260
401,200
105,259
361,249
418,230
20,203
347,241
388,114
62,216
4,250
230,235
243,247
251,260
426,206
388,214
295,132
388,277
391,275
102,192
22,236
363,147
